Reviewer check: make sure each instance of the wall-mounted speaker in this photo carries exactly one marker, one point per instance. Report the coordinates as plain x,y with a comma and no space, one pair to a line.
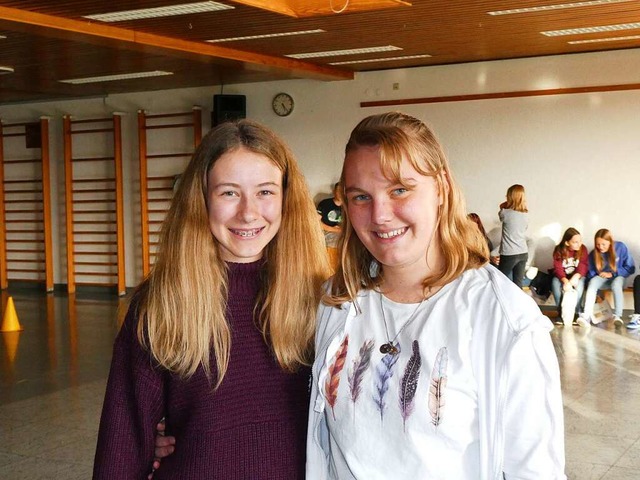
228,108
33,134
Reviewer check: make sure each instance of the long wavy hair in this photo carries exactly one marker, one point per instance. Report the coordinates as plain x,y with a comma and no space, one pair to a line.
605,234
562,249
181,305
516,199
399,136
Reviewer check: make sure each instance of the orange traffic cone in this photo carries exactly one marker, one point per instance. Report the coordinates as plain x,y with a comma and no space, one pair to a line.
11,340
10,321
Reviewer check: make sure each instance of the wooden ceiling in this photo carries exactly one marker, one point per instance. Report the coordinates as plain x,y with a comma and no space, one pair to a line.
51,41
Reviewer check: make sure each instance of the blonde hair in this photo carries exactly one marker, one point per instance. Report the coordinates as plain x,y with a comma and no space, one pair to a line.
516,199
181,305
398,137
605,234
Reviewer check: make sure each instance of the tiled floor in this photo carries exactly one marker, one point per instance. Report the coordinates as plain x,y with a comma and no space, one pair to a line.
52,379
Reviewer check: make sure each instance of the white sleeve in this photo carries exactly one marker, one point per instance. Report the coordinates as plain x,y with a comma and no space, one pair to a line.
534,423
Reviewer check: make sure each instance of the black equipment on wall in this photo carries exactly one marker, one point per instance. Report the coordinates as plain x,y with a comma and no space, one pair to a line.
33,135
228,108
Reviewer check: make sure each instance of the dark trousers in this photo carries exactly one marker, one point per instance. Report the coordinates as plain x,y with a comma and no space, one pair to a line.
513,267
636,294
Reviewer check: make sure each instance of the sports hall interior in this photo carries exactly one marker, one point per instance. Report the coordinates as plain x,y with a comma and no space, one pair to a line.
511,103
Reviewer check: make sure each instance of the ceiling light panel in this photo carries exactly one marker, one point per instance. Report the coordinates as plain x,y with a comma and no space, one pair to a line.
337,53
598,29
266,35
170,11
388,59
610,39
113,78
559,6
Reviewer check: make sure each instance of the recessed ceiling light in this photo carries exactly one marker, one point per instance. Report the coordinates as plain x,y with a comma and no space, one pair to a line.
611,39
544,8
336,53
266,35
5,70
388,59
113,78
598,29
183,9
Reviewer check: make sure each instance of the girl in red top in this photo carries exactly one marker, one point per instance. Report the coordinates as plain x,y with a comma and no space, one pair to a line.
570,265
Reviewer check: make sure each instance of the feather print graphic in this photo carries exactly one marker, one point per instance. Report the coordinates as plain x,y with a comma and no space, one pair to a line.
384,372
438,386
409,383
359,366
333,377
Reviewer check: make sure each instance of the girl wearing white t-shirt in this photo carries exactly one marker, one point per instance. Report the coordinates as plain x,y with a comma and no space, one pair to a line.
430,364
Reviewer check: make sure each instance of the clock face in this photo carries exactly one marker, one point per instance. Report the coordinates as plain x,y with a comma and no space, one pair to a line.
282,104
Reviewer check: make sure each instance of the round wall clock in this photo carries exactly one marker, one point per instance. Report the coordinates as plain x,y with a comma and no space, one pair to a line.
282,104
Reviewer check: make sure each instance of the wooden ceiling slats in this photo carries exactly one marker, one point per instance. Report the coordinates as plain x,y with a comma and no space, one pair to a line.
452,31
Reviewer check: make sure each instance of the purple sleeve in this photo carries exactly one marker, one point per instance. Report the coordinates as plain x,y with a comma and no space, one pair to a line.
133,405
558,269
583,265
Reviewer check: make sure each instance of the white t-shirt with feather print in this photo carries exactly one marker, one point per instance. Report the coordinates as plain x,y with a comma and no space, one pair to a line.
410,415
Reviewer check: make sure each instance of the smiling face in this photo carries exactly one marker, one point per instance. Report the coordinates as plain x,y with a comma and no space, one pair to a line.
574,243
602,245
244,201
395,221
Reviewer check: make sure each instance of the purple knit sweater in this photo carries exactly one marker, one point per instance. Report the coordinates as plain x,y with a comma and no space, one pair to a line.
252,427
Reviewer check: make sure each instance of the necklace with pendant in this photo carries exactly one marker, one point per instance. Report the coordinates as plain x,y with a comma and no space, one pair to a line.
391,347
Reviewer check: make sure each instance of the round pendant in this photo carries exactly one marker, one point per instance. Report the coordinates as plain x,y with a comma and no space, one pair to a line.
388,348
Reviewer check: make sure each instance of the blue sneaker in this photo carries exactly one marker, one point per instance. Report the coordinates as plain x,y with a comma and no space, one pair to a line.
634,321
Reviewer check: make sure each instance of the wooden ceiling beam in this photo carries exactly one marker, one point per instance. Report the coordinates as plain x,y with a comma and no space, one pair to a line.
90,32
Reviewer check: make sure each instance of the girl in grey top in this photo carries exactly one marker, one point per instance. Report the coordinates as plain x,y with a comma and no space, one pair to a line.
513,247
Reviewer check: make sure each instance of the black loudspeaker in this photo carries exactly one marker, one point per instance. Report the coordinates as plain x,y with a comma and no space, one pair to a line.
228,108
33,134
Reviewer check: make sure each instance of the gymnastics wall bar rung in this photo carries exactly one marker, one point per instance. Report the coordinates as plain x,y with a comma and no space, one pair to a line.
96,242
25,210
94,180
42,225
93,190
25,270
96,252
94,222
146,123
29,160
91,159
24,190
165,178
107,264
28,180
24,200
80,212
104,201
75,237
168,155
170,115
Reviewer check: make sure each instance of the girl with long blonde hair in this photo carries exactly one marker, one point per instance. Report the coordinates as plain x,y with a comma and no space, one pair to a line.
514,252
217,337
609,265
429,362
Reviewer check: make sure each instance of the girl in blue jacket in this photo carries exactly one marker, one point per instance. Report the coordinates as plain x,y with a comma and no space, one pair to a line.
609,264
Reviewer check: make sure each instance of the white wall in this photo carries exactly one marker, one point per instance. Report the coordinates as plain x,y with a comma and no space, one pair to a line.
578,156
